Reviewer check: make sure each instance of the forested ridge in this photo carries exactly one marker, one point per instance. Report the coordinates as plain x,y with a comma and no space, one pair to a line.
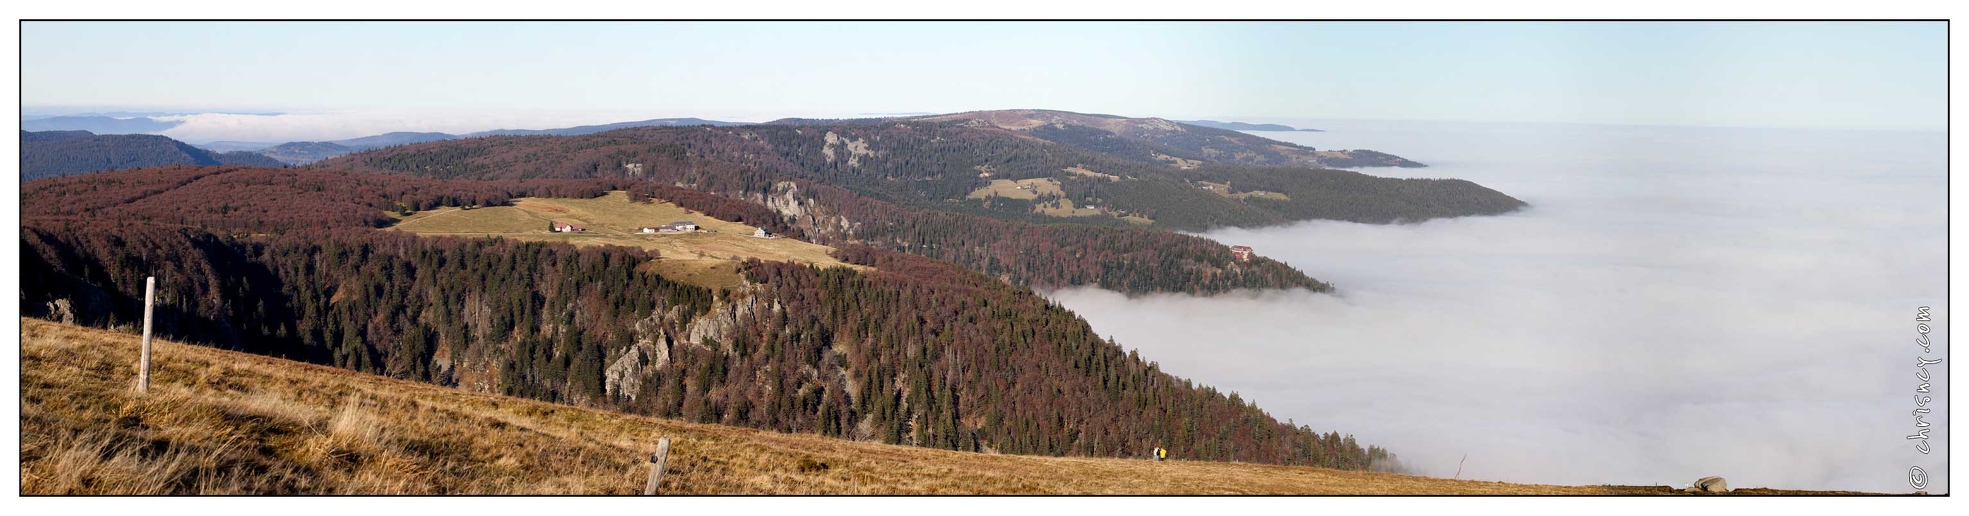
813,206
302,153
916,352
941,344
1158,140
67,153
934,166
904,186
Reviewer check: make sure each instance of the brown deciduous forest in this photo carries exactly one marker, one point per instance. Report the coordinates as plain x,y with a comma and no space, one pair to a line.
289,263
1045,255
933,166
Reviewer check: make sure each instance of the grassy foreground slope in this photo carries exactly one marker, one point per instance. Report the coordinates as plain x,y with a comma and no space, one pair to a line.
223,422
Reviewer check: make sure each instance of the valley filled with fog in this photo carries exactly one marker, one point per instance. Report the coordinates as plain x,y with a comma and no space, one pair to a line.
1676,303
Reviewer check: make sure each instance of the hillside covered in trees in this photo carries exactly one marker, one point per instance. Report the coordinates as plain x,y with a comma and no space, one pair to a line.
289,263
1114,180
67,153
939,343
1160,139
928,188
236,199
302,153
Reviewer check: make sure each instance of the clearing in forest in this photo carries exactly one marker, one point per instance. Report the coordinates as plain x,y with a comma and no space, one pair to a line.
1026,189
707,257
1031,189
1083,171
1224,190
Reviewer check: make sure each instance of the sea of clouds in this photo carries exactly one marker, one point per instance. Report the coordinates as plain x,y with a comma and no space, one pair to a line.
1676,303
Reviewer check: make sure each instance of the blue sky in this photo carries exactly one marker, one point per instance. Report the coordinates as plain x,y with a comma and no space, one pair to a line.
1810,75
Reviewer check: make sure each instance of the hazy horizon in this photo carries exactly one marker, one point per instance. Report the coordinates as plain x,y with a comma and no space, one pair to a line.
278,126
1868,75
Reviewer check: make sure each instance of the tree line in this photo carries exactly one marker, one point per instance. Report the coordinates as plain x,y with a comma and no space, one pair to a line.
917,352
783,168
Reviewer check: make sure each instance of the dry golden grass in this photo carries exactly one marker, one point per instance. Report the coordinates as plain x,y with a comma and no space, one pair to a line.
1065,208
1059,208
1224,190
1010,189
220,422
612,220
1029,189
488,220
707,273
1175,161
1263,194
1089,173
1332,154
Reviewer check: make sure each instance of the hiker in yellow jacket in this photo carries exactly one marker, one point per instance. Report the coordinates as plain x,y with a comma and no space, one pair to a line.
1161,453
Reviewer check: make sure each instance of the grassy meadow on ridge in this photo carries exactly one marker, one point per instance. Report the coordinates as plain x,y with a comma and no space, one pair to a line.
708,258
220,422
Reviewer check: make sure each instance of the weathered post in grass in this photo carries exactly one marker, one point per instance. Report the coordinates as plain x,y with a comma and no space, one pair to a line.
656,463
143,360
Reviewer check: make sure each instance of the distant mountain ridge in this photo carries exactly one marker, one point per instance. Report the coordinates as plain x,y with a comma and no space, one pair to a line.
1030,166
588,129
1156,139
103,125
67,153
50,136
230,146
393,138
302,153
1176,143
1241,126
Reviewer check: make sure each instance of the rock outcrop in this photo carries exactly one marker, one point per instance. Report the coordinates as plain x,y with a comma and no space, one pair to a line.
1708,485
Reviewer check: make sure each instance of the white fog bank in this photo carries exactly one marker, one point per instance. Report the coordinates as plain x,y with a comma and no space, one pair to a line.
1677,303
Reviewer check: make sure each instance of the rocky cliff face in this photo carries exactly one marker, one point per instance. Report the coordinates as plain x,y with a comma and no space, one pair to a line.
651,353
815,221
655,346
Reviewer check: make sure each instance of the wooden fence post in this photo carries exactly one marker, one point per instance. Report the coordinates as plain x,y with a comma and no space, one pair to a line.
143,361
656,464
